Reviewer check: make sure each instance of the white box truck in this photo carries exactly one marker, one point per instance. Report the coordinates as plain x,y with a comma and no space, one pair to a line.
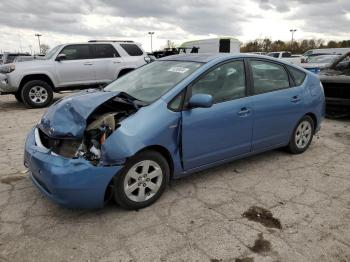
214,45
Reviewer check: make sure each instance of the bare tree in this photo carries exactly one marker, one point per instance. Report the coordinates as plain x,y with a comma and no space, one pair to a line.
44,48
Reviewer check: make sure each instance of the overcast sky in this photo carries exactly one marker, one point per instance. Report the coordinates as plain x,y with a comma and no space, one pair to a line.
63,21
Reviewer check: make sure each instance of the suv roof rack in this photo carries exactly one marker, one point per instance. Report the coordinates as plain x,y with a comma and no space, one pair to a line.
119,41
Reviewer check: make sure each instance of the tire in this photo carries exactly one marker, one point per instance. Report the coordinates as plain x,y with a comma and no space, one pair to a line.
302,136
18,97
139,181
37,94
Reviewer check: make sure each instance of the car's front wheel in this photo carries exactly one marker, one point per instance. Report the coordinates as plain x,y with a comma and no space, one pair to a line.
142,181
37,94
302,135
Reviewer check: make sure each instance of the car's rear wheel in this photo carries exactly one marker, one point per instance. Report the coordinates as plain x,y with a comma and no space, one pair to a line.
142,181
18,97
302,135
37,94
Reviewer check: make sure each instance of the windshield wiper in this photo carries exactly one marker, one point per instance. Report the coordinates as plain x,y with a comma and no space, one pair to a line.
137,103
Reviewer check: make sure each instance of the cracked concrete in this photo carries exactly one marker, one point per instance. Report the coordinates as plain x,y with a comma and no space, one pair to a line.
199,218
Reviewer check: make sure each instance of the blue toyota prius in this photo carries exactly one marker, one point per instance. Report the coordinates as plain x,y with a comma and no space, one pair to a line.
167,119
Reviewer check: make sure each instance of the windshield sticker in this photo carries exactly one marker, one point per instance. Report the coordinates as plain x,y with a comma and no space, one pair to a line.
177,69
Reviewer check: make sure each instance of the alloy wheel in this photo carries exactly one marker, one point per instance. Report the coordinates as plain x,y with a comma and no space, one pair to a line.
143,181
38,94
303,134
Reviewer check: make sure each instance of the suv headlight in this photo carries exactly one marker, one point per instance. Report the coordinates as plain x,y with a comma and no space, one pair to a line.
5,69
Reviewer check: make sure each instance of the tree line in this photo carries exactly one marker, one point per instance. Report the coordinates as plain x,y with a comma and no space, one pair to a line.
298,47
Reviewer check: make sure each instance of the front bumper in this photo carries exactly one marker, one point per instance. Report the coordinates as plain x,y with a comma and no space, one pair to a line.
72,183
5,86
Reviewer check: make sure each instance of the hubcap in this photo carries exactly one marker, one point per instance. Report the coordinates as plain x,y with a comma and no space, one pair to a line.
303,134
38,94
143,181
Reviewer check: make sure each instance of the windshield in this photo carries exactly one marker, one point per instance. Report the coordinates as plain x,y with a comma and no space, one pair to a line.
153,80
322,59
273,54
52,52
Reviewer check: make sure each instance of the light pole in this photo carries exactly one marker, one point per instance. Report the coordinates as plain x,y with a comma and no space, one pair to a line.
292,31
151,34
38,36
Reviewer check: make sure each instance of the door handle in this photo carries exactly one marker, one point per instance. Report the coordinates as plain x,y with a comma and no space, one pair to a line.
244,112
116,62
295,99
88,63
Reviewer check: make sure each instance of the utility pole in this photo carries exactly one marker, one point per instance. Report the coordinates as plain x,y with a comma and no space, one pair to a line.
20,42
38,36
151,34
292,31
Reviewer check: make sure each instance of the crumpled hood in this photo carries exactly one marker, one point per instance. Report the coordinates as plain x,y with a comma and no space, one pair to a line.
67,117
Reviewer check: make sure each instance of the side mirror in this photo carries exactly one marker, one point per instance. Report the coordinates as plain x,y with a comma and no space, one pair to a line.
61,57
200,100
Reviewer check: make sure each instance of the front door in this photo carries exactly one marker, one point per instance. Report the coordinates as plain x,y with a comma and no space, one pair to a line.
77,67
223,130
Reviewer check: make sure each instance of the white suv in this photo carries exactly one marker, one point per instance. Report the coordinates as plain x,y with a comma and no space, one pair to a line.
70,66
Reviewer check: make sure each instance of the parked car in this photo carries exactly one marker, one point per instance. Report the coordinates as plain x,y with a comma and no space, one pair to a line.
324,51
259,53
128,140
23,59
336,83
286,56
280,55
334,51
314,64
8,58
70,66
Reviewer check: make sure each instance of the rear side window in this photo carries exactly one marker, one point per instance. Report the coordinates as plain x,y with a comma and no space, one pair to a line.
268,76
298,75
105,51
76,52
132,49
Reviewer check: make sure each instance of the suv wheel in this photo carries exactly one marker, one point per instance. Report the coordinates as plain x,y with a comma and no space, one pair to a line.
37,94
142,181
302,136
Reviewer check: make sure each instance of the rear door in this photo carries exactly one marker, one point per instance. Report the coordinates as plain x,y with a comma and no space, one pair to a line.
106,62
277,105
77,68
223,130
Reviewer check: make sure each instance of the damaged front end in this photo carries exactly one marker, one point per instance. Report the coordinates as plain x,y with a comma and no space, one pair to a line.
64,151
86,132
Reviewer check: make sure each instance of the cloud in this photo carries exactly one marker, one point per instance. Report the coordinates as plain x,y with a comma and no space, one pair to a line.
64,20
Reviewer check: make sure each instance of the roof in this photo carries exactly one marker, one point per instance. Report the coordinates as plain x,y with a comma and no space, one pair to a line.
201,58
205,58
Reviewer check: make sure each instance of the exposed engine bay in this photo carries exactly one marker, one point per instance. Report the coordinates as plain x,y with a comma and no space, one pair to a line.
103,121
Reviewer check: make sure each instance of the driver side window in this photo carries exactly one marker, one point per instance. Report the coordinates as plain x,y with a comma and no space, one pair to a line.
76,52
224,83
